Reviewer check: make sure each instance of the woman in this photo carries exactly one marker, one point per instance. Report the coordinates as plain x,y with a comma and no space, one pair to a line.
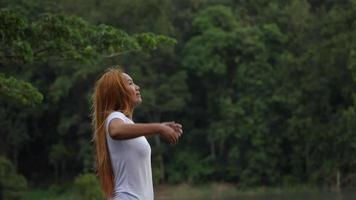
123,155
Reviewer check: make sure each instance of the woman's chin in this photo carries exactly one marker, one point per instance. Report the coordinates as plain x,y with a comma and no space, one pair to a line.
138,102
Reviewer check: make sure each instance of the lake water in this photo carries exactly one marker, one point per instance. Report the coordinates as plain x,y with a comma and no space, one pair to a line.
349,195
309,196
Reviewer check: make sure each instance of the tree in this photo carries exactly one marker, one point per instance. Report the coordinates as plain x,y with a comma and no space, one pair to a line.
234,75
12,185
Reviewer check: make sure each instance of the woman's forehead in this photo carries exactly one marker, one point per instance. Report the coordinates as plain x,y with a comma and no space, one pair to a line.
126,76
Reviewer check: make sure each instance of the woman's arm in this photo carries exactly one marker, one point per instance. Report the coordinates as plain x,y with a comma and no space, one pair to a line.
119,130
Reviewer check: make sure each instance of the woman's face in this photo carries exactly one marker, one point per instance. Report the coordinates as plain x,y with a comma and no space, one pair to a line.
135,89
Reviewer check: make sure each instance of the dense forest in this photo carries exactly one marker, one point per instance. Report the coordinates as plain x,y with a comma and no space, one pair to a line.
265,90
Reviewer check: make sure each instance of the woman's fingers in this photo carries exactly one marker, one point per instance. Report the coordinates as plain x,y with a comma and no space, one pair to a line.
176,132
177,127
175,137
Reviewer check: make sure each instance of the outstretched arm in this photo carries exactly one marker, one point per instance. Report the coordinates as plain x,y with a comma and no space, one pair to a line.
119,130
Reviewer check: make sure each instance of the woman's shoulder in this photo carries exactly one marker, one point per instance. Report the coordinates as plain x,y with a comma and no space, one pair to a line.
117,114
120,115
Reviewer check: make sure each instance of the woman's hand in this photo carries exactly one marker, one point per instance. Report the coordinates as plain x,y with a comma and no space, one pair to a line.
176,127
171,131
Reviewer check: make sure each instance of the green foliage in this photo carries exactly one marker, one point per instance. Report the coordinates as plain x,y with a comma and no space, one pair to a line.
64,37
86,186
218,16
58,157
151,41
19,92
188,166
269,93
67,37
12,185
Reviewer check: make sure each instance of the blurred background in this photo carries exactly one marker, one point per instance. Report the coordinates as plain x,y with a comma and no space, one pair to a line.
265,90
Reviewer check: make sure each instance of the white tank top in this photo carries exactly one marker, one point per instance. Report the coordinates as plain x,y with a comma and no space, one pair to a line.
131,164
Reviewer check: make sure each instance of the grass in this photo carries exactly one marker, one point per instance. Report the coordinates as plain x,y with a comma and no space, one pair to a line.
54,192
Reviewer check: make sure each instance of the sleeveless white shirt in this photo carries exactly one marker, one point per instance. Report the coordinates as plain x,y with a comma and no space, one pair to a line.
131,164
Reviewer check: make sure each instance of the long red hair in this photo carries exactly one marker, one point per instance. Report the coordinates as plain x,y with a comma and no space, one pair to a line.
110,95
